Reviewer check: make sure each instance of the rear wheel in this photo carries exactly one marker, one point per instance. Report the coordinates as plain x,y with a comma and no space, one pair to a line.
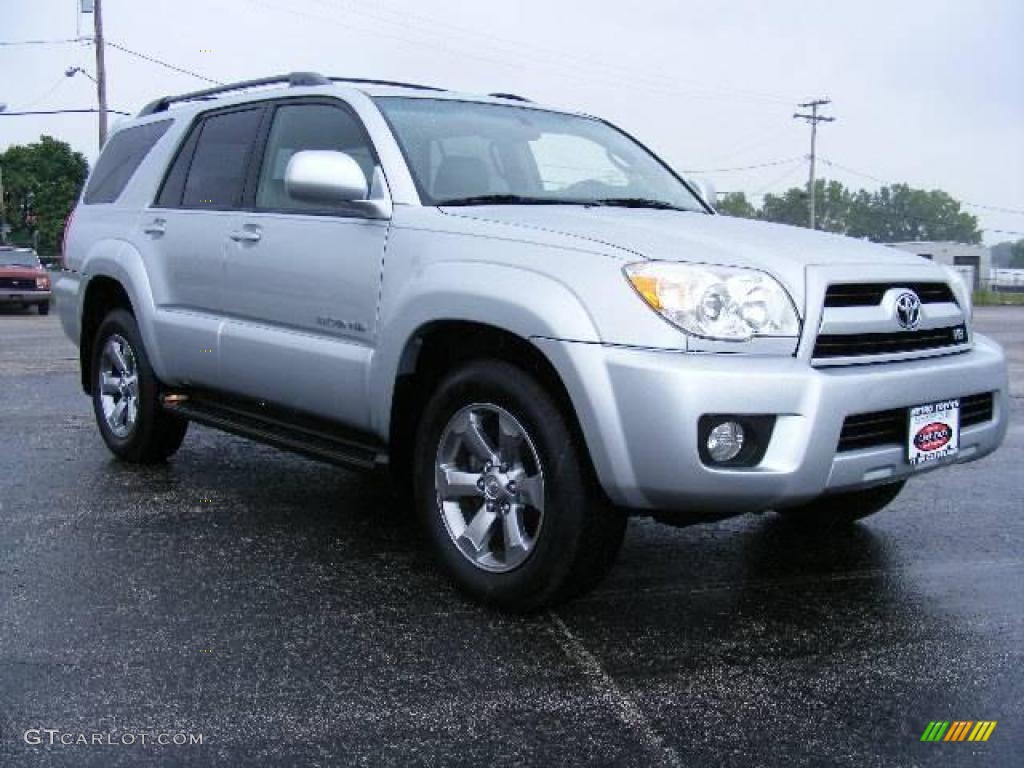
125,395
842,509
43,307
506,493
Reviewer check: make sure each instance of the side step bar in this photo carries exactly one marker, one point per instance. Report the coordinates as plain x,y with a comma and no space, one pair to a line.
291,431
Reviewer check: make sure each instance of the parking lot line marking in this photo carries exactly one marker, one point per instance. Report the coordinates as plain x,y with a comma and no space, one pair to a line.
608,690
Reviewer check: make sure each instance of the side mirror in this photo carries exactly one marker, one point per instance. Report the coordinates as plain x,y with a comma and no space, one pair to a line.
325,176
706,190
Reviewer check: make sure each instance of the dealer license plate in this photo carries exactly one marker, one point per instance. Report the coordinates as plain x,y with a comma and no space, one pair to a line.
934,432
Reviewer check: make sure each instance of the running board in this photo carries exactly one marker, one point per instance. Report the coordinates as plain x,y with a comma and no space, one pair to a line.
291,431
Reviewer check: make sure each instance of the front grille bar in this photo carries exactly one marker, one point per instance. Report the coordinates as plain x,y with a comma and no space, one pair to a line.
870,294
857,344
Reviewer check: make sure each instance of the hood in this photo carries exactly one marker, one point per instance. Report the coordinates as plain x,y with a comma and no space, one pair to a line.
21,272
781,250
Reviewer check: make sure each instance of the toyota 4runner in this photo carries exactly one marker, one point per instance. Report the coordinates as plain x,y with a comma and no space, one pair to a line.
534,322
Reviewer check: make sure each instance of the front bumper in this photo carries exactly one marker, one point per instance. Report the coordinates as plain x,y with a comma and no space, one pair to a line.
12,296
639,411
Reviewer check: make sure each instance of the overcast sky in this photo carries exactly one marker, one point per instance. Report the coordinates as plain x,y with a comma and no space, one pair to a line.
930,92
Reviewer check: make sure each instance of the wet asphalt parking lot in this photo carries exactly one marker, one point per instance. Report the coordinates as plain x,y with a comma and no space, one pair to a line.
289,613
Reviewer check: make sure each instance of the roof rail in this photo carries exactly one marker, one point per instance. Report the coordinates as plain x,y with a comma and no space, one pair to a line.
294,80
509,96
395,83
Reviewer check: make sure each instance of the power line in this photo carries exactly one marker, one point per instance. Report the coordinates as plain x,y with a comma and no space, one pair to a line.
159,62
982,206
416,22
766,164
778,180
994,208
91,111
7,43
581,71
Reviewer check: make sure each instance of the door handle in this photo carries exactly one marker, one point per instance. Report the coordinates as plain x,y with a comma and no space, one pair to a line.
246,236
156,228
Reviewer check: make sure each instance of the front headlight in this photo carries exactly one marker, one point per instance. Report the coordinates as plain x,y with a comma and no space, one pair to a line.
722,303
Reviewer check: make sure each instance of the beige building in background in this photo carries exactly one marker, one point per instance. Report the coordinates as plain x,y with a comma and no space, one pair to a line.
974,262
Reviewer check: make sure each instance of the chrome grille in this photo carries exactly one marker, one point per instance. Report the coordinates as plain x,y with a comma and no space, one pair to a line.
857,344
861,322
18,283
870,294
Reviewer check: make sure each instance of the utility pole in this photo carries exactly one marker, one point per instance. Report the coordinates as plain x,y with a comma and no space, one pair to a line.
101,70
814,118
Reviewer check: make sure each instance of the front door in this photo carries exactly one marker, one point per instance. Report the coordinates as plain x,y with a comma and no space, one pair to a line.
301,283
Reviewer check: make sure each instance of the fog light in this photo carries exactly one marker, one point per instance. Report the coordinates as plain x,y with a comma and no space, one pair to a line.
725,441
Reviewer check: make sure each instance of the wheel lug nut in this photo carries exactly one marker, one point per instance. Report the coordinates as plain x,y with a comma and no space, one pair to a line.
480,483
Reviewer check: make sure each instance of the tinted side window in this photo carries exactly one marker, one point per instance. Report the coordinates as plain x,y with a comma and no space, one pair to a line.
174,183
217,174
120,158
308,126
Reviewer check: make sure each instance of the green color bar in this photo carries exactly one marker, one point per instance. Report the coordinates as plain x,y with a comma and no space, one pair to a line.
927,731
943,727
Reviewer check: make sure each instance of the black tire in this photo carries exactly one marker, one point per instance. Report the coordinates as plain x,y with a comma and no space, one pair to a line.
840,510
155,434
43,307
581,532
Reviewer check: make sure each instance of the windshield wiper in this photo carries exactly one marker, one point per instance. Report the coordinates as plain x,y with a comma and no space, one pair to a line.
508,200
638,202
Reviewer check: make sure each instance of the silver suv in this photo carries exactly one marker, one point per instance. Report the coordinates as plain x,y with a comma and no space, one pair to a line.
522,312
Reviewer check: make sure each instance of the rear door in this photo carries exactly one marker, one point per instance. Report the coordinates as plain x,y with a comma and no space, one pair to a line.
301,285
185,236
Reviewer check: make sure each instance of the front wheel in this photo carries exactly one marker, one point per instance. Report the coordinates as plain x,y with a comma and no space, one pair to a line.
126,395
43,307
840,510
506,493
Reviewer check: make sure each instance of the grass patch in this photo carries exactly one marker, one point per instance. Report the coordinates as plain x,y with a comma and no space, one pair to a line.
998,298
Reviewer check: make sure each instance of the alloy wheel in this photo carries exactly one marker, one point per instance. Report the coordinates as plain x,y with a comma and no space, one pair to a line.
119,386
490,487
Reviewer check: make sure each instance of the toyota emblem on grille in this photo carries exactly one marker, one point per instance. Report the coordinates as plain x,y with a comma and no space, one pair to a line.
908,310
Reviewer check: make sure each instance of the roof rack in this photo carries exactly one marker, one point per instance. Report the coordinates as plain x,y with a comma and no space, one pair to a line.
293,79
395,83
509,96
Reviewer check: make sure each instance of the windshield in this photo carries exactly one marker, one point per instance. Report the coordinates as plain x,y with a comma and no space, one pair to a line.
18,259
464,153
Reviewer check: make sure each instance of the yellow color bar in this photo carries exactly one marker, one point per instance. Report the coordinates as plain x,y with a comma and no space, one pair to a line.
988,731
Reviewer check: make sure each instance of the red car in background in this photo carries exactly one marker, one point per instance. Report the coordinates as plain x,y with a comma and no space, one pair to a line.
23,280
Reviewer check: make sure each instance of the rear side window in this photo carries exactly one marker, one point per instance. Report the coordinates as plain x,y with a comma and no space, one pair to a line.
216,176
120,159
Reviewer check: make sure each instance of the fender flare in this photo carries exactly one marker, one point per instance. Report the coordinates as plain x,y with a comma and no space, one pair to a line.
475,292
120,261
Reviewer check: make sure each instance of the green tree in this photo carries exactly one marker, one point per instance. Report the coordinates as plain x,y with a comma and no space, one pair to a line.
899,213
41,184
890,214
736,204
1017,255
